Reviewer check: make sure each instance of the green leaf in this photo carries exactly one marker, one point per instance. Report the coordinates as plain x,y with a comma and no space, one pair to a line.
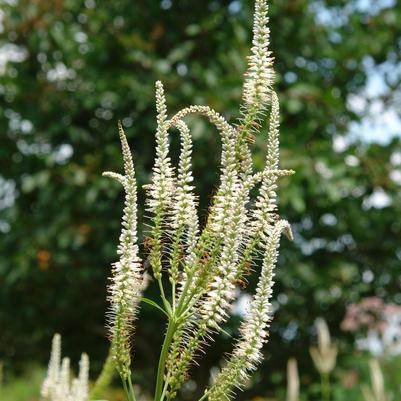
154,304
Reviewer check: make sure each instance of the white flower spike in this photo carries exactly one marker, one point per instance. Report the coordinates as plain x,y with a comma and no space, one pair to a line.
58,384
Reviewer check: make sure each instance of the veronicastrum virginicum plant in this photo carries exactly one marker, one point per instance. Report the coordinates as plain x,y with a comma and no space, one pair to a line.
203,264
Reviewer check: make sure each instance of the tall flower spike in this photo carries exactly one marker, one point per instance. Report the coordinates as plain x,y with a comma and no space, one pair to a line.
82,389
254,330
125,289
64,383
266,202
325,354
264,212
185,199
273,156
161,190
259,76
292,380
79,389
184,224
378,390
53,369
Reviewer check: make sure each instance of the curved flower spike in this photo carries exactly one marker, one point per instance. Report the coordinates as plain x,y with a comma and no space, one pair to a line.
161,190
125,289
184,219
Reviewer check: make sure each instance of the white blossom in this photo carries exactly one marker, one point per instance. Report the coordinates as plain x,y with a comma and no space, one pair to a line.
254,329
58,384
126,286
259,76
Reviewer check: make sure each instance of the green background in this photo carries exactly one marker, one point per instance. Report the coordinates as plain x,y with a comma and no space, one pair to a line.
79,66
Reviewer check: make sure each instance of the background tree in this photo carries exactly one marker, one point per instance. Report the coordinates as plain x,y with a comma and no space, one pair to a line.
69,69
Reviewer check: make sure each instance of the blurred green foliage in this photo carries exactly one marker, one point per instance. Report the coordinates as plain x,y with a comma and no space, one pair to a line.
75,67
23,388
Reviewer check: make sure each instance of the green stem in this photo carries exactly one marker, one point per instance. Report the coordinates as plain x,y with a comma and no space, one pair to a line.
163,357
164,391
166,303
325,386
184,303
173,295
205,394
179,308
131,389
127,391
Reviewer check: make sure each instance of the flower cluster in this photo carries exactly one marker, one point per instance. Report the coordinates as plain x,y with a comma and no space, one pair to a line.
58,384
254,330
377,324
204,265
198,268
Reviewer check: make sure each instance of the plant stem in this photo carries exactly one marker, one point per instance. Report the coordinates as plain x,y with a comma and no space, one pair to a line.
131,389
163,356
164,391
164,299
173,295
127,391
325,386
205,394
